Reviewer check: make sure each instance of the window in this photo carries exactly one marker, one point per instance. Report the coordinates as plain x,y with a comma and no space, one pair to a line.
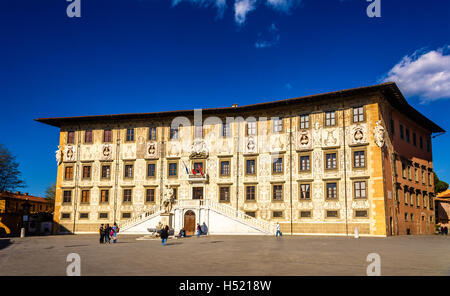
84,215
103,215
225,168
126,215
304,163
360,189
226,130
424,201
304,121
305,214
86,171
412,217
152,133
401,131
358,114
88,136
175,193
416,174
127,195
428,145
277,125
107,136
173,171
277,193
406,195
250,194
68,173
174,132
198,131
414,139
305,191
403,170
418,200
361,213
67,196
251,166
251,128
277,165
85,196
431,203
224,193
106,171
330,118
429,179
407,134
70,137
359,159
421,142
128,171
392,125
150,195
332,214
198,168
104,196
251,214
65,215
406,216
423,177
277,214
330,161
130,134
331,190
151,170
409,173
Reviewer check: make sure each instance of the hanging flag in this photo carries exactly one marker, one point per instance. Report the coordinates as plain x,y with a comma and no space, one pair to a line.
201,171
187,171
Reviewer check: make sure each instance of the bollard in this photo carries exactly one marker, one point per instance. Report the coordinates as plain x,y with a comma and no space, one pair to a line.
356,232
22,232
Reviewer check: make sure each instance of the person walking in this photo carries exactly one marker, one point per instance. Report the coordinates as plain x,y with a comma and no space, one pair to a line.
101,230
164,235
278,230
107,234
114,231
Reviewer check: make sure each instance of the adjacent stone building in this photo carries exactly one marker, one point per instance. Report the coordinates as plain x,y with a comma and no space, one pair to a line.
321,164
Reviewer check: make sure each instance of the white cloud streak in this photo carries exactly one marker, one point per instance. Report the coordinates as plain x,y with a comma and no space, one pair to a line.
423,74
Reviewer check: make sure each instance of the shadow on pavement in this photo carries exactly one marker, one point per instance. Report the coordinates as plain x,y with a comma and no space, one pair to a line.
4,243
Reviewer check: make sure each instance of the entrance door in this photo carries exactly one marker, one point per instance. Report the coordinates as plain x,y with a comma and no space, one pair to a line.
197,192
189,222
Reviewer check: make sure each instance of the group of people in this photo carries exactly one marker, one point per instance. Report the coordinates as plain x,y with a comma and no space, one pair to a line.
444,230
108,233
164,234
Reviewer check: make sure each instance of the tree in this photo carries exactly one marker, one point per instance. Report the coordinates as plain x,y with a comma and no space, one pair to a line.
10,176
50,192
439,186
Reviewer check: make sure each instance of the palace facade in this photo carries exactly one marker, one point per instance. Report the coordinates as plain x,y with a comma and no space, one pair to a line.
321,164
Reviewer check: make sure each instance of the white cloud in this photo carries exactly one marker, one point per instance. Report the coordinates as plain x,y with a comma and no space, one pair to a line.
221,5
283,5
271,38
241,9
423,74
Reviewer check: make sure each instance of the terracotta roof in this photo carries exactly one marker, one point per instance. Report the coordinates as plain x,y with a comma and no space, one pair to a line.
445,194
21,196
389,90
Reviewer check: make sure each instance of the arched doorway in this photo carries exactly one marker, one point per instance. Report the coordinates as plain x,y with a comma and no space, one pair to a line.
189,222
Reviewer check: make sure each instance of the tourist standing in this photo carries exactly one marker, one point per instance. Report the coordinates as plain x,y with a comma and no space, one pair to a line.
114,231
199,230
107,234
164,235
278,230
102,234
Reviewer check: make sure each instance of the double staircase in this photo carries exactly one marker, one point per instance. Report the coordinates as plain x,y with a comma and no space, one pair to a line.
262,226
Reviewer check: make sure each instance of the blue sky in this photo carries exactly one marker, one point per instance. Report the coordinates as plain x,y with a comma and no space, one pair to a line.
126,56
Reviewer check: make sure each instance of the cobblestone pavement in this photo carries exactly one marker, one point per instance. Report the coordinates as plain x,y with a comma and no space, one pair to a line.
226,255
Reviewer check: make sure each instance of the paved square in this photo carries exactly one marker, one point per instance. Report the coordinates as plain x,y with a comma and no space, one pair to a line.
226,255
